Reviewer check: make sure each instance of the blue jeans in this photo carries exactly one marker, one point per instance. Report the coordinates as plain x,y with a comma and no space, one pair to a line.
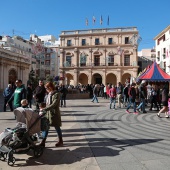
95,98
58,130
112,100
142,105
131,101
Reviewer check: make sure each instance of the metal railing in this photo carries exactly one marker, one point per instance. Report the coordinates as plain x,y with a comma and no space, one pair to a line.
131,64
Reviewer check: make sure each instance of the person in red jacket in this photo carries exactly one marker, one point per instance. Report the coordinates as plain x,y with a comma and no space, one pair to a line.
112,95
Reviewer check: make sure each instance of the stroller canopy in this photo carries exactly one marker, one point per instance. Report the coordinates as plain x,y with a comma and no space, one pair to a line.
30,118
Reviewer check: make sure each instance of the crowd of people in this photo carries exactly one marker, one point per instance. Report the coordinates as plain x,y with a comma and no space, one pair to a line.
137,94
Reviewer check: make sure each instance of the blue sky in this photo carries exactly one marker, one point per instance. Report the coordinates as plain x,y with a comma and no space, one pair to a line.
50,17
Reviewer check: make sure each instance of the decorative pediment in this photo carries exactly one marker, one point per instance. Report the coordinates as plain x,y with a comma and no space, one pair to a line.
128,52
69,54
111,53
97,53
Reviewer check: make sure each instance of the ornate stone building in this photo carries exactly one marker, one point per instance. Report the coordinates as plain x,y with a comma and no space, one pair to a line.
12,66
98,55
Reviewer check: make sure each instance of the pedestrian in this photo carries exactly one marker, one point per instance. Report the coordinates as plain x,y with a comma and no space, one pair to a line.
7,93
142,96
95,93
105,94
125,94
39,94
119,92
154,98
132,97
165,98
29,95
52,113
112,95
18,95
63,93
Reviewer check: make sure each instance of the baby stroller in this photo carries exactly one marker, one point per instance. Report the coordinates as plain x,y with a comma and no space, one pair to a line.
22,138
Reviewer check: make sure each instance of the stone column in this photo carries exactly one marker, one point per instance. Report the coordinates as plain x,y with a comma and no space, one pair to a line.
76,62
104,77
119,75
61,57
75,77
89,76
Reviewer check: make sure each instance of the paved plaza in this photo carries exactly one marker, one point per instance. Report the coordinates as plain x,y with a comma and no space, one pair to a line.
99,138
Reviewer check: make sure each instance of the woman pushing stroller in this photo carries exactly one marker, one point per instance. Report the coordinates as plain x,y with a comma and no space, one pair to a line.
52,113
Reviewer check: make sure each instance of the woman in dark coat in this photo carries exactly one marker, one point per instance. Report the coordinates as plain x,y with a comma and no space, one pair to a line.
52,113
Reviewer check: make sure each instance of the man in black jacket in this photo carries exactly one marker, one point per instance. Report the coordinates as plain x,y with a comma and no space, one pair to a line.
39,94
132,97
63,90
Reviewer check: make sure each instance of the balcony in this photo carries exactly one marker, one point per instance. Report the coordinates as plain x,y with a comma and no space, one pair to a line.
96,65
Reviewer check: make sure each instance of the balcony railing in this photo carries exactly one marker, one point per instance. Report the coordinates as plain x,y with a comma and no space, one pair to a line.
132,64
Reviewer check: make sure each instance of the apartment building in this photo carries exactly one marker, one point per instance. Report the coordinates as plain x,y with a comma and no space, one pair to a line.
50,42
162,44
46,55
145,58
99,55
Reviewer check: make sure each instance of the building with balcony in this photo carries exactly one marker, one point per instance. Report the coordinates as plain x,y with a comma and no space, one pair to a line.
47,62
145,58
99,55
162,45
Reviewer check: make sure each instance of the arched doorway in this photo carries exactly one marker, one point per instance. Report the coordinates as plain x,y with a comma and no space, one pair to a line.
12,76
111,78
83,79
97,79
69,79
125,77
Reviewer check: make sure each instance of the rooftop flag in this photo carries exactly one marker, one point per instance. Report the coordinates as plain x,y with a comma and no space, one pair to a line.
101,20
108,20
94,19
87,22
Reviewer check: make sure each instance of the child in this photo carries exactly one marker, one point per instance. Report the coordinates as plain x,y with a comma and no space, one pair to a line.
24,103
44,120
42,106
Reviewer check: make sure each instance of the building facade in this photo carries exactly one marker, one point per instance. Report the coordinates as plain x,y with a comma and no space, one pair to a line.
46,55
145,58
98,55
162,44
12,66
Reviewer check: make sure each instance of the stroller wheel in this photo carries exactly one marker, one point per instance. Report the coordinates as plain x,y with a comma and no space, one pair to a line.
11,161
3,156
38,151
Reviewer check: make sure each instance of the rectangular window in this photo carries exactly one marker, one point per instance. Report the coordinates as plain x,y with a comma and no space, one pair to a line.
68,61
110,41
111,61
97,60
127,60
83,42
68,42
126,40
97,42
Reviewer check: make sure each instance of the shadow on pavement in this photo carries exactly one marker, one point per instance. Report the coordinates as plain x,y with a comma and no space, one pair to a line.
98,148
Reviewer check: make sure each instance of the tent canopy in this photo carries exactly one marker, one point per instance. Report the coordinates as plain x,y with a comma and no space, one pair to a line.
154,73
